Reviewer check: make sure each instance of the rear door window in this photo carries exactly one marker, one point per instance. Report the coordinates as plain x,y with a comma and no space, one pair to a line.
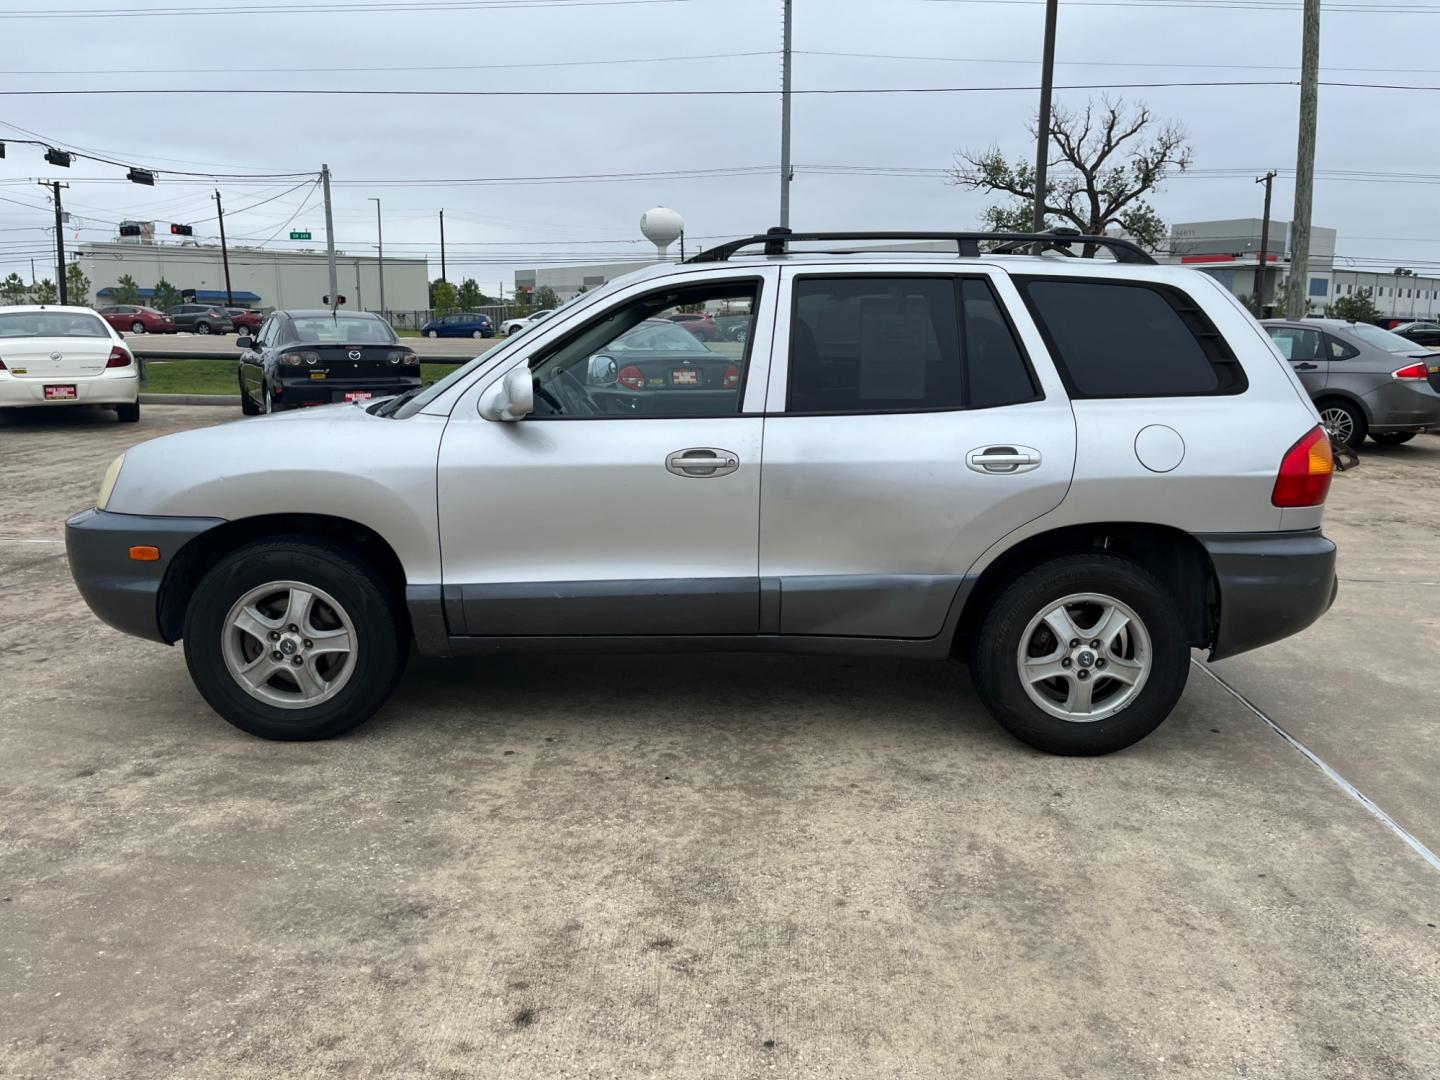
1114,339
1298,344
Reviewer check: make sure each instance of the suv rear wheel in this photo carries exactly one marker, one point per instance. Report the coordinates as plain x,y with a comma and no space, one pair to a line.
293,639
1086,654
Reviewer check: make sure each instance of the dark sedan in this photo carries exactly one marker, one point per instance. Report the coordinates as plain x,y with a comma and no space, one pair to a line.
200,318
1422,333
302,358
658,367
464,324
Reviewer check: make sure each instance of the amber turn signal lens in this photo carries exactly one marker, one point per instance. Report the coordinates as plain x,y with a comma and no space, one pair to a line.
145,553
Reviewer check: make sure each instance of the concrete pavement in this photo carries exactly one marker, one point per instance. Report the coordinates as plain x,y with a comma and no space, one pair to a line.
701,866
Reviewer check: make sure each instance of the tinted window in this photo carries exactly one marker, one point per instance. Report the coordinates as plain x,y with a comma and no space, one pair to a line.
343,329
860,344
1115,339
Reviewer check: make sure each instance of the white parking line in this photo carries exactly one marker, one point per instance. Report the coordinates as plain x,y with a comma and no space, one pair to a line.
1340,781
23,540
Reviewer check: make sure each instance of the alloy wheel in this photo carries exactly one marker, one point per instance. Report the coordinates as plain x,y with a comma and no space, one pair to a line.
289,644
1084,657
1338,423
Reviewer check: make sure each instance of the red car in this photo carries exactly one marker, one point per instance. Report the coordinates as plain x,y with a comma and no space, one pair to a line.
699,323
134,319
245,319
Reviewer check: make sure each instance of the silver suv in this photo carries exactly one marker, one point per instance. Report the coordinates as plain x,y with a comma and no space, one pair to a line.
1069,472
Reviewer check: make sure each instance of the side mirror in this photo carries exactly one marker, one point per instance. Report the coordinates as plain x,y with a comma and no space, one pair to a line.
602,370
244,341
512,398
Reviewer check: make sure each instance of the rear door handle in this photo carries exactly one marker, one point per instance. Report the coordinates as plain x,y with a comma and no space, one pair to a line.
700,461
1003,459
1306,367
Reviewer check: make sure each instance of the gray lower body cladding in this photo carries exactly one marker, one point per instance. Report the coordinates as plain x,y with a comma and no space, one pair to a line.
1271,585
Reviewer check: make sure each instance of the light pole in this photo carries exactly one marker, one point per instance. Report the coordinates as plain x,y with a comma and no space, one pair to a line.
1042,149
380,263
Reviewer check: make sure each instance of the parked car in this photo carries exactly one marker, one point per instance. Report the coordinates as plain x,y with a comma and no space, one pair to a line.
463,324
1422,333
659,357
307,358
243,319
699,323
201,318
52,356
1070,472
514,326
1364,380
137,319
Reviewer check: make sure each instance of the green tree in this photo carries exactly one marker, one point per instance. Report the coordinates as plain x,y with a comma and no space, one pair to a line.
1109,159
126,291
469,296
77,285
545,298
14,289
443,297
1358,308
45,292
164,295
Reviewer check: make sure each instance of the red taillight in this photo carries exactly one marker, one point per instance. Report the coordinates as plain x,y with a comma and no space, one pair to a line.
1414,371
732,377
118,358
632,377
1305,471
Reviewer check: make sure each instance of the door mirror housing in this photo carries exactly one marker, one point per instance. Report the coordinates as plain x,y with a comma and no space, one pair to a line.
603,370
244,341
512,398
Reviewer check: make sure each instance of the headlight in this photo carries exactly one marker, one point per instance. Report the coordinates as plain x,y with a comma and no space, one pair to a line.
107,485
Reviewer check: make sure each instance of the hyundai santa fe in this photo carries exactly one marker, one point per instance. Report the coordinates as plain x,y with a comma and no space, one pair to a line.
1068,472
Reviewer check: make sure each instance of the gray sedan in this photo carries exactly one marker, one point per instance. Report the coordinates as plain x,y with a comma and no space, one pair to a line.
1363,380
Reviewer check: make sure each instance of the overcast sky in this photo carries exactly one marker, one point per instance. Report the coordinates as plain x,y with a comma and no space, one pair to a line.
530,45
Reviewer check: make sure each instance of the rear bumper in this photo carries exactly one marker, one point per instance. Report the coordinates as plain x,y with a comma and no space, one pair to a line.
1403,406
307,391
115,386
1271,585
121,591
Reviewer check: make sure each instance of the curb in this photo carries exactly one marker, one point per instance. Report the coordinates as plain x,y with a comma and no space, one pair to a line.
233,400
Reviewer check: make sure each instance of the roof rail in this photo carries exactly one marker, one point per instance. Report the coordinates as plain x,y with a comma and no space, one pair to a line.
777,241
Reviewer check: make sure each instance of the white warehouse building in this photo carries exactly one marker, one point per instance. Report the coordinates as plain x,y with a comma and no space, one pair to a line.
259,278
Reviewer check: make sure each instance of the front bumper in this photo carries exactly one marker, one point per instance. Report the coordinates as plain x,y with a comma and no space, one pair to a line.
121,591
1271,585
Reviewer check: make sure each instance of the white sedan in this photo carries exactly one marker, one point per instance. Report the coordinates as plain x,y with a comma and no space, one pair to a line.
52,355
514,326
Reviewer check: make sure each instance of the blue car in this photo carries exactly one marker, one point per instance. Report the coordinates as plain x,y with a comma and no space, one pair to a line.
465,324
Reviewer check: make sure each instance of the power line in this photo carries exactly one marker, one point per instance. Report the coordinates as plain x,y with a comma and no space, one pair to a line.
321,7
1081,63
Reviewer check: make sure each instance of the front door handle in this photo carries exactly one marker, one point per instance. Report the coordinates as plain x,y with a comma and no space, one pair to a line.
702,461
1306,367
1003,459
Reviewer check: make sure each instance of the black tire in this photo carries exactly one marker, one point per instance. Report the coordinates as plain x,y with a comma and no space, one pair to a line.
202,328
1392,438
137,327
248,407
1344,422
355,585
128,414
996,658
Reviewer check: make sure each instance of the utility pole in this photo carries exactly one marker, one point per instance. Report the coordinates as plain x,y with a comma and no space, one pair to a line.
785,121
380,262
330,239
224,251
442,243
1260,270
1042,134
60,282
1297,288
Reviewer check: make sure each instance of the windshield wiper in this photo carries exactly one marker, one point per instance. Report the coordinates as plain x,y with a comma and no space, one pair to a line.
388,408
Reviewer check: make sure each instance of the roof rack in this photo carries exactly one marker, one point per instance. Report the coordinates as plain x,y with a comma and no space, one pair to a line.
777,241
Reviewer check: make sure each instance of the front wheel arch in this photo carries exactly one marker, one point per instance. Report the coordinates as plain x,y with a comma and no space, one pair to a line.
193,560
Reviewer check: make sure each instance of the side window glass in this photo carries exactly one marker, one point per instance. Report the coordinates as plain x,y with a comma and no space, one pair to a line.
634,361
1130,339
1297,345
995,369
1338,350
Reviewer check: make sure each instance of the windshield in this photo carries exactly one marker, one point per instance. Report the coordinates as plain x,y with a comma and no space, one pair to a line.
1381,339
657,336
415,404
15,324
342,329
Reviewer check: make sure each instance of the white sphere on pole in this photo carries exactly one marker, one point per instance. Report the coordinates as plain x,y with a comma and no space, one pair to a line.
662,227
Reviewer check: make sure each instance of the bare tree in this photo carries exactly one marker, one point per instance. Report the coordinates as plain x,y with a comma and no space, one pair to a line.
1108,159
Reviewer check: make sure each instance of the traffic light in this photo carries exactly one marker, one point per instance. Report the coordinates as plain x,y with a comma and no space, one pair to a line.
129,230
339,300
141,176
58,157
182,230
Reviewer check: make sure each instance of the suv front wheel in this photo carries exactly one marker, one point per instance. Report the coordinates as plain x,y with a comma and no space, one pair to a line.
293,639
1083,655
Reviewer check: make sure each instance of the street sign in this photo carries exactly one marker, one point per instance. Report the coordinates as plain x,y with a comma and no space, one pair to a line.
299,236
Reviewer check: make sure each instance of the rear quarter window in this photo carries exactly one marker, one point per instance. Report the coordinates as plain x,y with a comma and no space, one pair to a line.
1113,339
